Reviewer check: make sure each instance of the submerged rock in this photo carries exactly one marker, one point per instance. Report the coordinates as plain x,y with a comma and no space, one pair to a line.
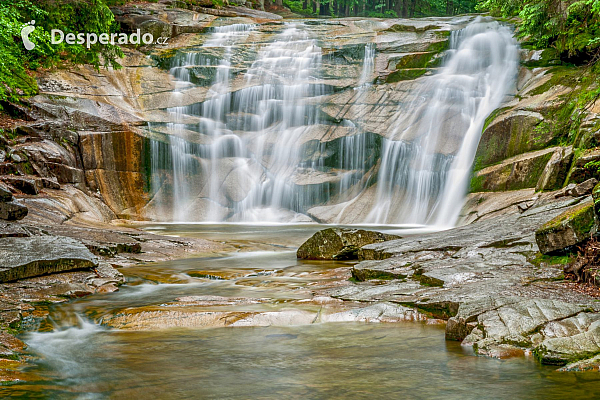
568,229
34,256
339,244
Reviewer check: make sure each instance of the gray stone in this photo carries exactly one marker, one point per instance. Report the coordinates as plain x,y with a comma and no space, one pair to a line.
584,188
8,229
34,256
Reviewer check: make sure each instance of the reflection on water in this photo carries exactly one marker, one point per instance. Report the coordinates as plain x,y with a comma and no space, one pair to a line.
81,359
328,361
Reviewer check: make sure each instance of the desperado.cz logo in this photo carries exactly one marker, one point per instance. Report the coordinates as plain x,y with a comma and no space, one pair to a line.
91,38
25,32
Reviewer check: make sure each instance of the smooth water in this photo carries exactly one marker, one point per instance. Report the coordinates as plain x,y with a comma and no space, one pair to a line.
79,359
246,159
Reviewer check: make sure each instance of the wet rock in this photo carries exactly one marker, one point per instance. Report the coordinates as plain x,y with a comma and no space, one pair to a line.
494,326
502,351
106,271
555,172
13,211
8,229
28,257
339,244
591,364
568,229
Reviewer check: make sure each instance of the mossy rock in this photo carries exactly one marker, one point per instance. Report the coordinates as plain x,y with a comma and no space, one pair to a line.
365,274
516,173
585,166
547,57
411,60
411,28
405,75
507,134
596,199
566,230
339,244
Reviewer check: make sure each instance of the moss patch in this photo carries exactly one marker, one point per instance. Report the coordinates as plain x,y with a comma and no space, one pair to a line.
405,75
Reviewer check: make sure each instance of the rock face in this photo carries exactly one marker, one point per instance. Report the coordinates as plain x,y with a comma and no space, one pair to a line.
557,331
41,255
339,244
568,229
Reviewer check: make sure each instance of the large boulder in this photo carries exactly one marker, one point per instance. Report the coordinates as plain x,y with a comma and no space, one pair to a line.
26,257
339,244
568,229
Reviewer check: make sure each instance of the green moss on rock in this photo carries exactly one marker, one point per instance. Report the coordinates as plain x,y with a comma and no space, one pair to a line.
568,229
339,244
405,74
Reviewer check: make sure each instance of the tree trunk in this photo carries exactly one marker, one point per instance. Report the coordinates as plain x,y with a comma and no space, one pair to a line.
279,3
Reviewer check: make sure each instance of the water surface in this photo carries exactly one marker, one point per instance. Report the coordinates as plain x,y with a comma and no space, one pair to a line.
79,358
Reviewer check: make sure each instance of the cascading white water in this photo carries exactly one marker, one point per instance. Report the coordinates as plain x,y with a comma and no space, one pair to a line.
281,82
246,159
426,165
253,132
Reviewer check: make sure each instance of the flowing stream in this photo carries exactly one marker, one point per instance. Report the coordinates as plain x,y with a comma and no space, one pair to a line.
245,159
76,357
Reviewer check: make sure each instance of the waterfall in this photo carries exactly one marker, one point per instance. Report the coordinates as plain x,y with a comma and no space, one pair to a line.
247,152
426,164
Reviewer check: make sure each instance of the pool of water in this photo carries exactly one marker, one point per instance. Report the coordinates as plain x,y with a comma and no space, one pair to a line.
78,357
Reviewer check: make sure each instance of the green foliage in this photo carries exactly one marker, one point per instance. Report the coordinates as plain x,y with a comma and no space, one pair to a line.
572,26
381,8
16,63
